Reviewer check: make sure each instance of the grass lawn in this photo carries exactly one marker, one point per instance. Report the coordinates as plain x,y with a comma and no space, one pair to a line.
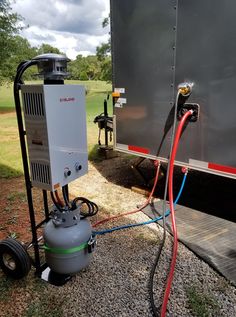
10,156
6,98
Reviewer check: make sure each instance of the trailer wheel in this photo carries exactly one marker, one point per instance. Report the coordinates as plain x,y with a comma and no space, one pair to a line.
14,259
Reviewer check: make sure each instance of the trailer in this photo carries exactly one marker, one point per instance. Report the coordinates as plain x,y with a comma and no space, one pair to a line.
158,45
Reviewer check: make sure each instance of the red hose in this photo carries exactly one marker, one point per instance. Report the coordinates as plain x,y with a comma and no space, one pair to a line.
157,163
174,229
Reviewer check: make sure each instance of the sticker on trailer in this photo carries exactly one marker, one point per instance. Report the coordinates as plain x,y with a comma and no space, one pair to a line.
120,90
120,102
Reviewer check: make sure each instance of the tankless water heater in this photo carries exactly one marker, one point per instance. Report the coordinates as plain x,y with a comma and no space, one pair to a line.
55,122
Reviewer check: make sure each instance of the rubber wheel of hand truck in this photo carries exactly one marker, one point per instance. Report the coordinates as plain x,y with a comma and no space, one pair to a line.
14,259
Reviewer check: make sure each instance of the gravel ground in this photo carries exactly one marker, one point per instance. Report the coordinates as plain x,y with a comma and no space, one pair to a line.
115,284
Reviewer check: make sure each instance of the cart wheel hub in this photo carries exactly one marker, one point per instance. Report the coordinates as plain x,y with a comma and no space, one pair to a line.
9,262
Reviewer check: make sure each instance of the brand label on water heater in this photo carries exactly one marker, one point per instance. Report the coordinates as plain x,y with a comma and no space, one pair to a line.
68,99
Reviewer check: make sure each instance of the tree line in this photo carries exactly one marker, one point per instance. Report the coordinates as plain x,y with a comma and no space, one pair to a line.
14,49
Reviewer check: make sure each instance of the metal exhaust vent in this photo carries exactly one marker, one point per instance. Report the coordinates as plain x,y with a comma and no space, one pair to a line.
40,173
33,104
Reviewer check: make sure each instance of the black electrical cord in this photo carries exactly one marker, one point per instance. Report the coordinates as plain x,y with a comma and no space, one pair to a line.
55,202
64,193
91,207
155,310
156,261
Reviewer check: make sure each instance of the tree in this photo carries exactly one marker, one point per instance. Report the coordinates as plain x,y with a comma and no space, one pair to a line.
83,75
94,68
46,48
103,50
14,48
85,67
77,66
23,52
106,69
9,27
103,54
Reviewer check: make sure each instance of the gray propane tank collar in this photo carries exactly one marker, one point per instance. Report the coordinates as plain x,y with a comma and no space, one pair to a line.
67,218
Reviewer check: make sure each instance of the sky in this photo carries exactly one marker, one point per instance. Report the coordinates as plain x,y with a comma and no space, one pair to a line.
73,26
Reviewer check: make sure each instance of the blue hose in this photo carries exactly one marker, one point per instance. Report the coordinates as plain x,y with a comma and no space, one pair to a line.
145,222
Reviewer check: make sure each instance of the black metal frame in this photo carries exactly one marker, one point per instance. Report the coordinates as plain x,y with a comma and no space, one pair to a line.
102,121
106,116
22,134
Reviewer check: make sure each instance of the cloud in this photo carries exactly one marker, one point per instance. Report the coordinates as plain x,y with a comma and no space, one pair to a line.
74,26
39,37
82,16
68,43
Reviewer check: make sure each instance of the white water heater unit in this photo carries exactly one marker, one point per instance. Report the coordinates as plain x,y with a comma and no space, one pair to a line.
55,122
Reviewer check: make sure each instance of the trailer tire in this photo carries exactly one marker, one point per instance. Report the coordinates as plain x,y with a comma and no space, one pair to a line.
14,259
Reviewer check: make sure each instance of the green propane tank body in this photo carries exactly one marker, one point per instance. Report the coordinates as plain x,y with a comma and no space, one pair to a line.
68,242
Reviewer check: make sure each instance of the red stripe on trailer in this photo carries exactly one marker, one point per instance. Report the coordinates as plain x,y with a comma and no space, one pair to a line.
138,149
222,168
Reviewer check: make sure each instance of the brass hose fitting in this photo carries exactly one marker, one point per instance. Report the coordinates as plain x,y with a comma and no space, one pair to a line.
185,89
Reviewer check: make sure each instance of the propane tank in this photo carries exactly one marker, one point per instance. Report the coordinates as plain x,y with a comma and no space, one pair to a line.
68,242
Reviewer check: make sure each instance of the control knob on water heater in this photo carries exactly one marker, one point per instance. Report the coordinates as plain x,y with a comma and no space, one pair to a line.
67,172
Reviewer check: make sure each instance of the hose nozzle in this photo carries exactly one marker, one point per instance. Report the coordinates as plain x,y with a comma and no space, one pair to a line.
185,89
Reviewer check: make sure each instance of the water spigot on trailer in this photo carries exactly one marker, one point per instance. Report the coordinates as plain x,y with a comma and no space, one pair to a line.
185,89
184,92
